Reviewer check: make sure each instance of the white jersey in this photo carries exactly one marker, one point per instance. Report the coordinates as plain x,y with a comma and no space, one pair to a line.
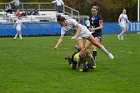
71,26
59,2
123,18
18,25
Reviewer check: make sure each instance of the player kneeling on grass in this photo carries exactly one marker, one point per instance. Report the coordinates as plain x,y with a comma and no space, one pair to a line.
82,60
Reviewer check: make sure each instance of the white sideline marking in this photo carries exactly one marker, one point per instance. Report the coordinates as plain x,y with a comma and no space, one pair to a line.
127,52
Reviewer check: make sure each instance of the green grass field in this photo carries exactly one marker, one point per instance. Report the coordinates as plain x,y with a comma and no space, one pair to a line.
32,66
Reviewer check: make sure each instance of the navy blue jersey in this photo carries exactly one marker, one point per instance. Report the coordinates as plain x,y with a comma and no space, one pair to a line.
94,22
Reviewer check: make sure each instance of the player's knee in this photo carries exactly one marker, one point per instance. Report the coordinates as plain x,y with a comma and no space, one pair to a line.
73,66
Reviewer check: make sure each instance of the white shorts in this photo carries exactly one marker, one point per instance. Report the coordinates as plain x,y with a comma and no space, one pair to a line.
18,28
85,33
123,24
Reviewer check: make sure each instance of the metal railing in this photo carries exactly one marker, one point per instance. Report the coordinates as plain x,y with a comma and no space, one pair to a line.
43,6
47,6
70,11
32,5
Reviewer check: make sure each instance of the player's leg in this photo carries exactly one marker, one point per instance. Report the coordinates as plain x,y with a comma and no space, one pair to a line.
20,35
94,54
97,44
87,44
71,61
16,36
122,33
72,64
79,43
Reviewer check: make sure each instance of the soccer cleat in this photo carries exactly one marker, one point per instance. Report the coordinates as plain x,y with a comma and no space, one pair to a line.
68,57
110,56
119,37
81,70
94,67
122,38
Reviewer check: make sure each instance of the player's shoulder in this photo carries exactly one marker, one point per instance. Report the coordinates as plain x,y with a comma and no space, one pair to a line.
100,17
17,20
71,20
121,14
90,17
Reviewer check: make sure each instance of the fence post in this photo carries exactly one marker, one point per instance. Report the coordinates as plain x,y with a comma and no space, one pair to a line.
64,9
39,6
22,6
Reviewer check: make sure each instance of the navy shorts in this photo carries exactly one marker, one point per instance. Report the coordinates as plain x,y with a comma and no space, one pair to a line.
97,35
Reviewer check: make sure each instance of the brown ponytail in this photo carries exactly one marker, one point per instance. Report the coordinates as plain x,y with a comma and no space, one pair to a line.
60,18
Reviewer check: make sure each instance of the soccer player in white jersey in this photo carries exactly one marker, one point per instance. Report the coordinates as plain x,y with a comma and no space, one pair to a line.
81,32
18,24
123,19
59,4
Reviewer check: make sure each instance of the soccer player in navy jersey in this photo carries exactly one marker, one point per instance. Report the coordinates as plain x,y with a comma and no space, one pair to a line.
96,25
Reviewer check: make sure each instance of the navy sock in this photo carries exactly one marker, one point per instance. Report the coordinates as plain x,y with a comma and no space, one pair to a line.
94,54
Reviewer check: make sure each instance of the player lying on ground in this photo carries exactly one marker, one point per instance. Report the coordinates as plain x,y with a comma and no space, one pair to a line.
82,60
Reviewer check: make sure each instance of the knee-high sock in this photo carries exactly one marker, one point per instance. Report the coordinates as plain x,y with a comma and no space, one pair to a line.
105,50
15,36
20,36
122,33
94,54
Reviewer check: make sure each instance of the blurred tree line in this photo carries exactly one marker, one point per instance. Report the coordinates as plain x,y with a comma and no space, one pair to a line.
109,9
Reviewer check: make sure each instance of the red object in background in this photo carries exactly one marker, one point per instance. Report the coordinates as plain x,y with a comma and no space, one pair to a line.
18,14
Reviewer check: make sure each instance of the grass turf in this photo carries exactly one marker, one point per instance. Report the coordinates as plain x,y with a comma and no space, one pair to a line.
32,66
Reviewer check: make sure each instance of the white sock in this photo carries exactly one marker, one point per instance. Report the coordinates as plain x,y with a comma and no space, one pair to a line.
122,37
122,33
104,50
20,36
15,36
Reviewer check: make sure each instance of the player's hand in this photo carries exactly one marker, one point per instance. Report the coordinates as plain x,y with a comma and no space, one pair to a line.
92,29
